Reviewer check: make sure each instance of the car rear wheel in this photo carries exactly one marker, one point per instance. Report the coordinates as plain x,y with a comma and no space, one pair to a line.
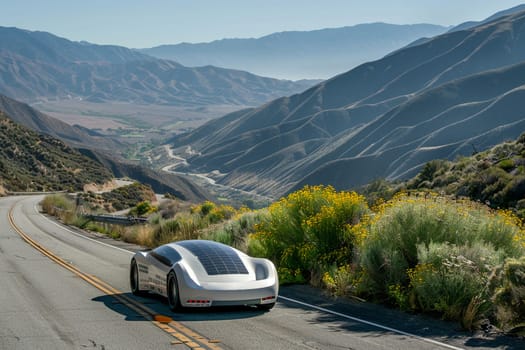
266,307
134,279
173,292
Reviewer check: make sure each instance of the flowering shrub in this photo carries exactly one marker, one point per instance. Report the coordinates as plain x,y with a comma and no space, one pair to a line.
213,213
340,281
143,208
311,229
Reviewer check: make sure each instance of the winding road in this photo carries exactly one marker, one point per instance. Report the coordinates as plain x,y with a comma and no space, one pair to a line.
64,289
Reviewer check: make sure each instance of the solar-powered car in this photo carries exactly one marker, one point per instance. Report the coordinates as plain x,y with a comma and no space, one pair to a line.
201,273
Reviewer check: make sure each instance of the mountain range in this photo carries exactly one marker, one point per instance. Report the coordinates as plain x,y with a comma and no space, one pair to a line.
38,66
299,55
451,95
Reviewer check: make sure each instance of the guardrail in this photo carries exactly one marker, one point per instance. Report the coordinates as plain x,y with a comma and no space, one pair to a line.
117,220
29,193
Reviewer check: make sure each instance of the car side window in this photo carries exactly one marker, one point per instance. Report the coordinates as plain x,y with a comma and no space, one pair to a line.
166,255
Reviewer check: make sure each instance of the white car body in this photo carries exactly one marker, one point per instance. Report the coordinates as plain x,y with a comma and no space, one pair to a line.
207,274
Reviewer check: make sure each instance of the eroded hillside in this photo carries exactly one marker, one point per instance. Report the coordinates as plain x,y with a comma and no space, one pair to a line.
383,119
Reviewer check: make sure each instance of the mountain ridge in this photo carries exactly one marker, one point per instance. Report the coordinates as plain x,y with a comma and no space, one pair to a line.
470,24
40,66
74,135
30,161
303,53
361,119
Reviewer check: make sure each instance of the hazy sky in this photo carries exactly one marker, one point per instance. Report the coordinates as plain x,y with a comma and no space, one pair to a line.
146,23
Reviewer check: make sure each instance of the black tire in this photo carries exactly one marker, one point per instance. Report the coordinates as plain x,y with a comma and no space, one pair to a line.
266,307
134,279
172,289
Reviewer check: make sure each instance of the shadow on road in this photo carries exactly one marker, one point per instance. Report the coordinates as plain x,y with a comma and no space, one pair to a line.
159,306
388,320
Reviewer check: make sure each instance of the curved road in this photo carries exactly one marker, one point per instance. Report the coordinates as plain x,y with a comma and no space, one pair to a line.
63,290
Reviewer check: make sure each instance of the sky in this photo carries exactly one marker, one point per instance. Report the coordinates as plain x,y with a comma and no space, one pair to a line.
148,23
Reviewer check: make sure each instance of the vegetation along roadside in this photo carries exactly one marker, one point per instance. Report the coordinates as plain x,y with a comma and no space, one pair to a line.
422,252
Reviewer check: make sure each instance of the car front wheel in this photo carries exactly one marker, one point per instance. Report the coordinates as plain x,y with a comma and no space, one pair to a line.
173,292
134,279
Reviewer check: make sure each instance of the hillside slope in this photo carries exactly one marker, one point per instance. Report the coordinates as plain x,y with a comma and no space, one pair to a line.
495,177
40,66
161,182
74,135
383,119
30,161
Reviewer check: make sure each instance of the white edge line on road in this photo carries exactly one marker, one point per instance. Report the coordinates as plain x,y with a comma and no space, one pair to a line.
371,323
284,298
82,236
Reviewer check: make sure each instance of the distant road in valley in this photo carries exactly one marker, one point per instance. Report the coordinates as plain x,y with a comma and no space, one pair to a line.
203,179
73,293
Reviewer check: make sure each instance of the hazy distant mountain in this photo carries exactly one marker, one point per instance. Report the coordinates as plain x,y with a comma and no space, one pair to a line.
37,65
300,55
384,119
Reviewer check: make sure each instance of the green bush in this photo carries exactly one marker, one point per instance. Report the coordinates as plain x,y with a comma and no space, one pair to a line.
507,289
182,227
430,171
448,278
213,213
142,209
166,231
506,164
436,252
61,206
57,203
205,208
235,232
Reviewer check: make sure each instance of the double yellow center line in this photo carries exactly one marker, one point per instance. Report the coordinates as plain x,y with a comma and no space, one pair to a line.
181,333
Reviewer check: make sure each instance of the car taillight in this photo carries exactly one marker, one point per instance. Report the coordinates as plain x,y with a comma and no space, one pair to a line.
198,302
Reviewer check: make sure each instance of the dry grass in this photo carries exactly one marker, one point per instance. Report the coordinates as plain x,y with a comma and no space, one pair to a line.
139,234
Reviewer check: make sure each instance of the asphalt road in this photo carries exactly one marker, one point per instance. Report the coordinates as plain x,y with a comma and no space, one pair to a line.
61,289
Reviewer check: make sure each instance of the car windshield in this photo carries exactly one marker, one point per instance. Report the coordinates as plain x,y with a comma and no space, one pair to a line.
167,253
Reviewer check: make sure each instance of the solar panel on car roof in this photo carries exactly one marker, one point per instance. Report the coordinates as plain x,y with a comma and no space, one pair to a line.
216,258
